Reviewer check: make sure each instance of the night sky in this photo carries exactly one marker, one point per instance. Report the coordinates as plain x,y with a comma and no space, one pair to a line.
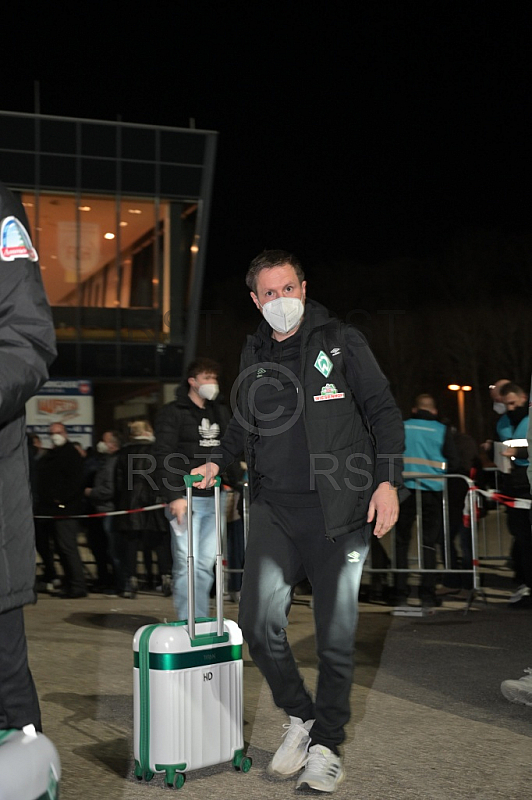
344,133
368,138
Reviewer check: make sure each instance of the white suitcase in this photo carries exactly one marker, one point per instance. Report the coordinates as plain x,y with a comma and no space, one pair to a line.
29,766
187,685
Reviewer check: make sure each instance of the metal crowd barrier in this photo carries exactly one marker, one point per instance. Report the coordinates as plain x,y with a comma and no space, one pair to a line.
501,550
416,565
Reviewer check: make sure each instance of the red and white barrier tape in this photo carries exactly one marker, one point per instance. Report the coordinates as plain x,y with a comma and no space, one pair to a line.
491,494
101,513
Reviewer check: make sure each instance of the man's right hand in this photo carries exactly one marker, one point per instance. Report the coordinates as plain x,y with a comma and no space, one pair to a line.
209,472
179,509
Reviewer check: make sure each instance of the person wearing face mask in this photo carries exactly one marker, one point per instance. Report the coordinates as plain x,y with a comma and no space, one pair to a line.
187,431
323,441
60,482
100,531
512,428
498,407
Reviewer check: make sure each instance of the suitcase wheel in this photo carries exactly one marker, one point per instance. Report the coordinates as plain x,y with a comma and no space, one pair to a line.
148,774
179,780
242,763
245,764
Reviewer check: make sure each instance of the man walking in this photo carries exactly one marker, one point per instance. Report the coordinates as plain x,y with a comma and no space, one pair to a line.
323,440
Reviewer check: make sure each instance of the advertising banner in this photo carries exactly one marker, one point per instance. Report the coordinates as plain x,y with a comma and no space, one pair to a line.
66,401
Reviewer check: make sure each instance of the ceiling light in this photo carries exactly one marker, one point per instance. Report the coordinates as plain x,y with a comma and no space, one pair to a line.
134,211
108,236
124,224
84,208
27,205
194,248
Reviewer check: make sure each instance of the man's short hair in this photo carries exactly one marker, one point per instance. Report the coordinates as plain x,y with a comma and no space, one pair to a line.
425,401
202,364
510,388
269,259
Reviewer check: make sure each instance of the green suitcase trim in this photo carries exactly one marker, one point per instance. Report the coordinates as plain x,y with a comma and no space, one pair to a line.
175,661
7,733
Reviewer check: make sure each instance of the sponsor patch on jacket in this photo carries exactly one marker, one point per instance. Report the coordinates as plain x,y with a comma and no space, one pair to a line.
335,351
15,241
323,364
328,392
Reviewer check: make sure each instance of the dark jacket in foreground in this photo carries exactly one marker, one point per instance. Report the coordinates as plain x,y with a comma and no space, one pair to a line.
355,439
26,351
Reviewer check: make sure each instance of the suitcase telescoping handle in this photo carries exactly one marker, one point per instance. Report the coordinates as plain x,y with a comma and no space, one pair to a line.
189,482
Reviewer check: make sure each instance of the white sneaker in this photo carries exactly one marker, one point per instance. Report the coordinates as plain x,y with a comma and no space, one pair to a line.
292,754
522,591
519,691
323,770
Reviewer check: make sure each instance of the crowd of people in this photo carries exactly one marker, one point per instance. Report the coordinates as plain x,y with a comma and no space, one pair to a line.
77,490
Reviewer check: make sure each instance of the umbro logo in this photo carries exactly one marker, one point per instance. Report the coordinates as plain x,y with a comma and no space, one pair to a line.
260,372
335,351
353,557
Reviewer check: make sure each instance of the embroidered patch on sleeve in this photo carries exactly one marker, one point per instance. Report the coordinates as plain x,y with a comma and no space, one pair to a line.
15,241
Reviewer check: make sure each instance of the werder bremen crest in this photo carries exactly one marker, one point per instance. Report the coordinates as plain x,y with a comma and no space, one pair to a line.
323,364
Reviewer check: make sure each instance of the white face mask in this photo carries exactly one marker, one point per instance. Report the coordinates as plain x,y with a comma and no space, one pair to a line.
102,447
209,391
499,408
283,313
58,439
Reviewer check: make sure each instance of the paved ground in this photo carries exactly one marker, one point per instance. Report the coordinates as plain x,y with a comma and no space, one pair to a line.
429,722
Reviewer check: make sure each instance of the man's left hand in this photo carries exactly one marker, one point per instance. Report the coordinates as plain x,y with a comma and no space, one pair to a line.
385,505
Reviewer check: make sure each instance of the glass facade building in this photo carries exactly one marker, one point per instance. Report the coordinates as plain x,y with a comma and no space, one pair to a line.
118,214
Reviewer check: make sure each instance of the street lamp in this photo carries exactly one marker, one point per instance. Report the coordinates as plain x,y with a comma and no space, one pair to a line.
454,387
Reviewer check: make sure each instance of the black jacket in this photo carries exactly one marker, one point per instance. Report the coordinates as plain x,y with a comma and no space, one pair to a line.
102,494
185,436
135,487
27,349
355,440
60,481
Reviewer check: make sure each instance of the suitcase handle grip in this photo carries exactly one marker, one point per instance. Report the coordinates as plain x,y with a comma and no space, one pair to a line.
191,479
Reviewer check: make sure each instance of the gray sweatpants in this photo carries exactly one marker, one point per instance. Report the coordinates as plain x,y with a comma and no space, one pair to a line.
284,545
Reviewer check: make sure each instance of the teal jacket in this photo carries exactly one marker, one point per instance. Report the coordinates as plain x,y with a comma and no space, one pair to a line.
425,450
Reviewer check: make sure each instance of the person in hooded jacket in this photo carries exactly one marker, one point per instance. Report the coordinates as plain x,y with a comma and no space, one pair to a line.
135,488
323,441
27,349
187,431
